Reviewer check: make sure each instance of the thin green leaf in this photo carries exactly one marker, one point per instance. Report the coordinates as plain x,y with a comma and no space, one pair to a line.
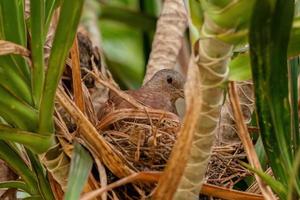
268,36
50,7
37,15
13,81
43,183
81,164
20,185
12,20
293,67
31,140
12,28
64,37
36,197
14,160
261,153
16,112
276,186
294,184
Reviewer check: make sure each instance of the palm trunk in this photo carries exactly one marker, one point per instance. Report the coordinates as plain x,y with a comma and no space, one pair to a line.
211,58
168,37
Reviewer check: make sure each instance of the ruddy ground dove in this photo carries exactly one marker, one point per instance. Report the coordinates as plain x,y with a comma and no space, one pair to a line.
160,92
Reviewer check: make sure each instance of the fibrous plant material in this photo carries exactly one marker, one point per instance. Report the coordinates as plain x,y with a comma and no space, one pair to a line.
144,137
168,37
224,167
95,142
7,47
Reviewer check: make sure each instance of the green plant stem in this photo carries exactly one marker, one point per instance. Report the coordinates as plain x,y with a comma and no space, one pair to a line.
277,186
13,29
16,112
40,173
31,140
37,8
294,184
50,6
64,36
81,166
15,184
293,85
13,81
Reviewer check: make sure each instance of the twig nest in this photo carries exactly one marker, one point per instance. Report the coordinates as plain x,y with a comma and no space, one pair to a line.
224,168
143,137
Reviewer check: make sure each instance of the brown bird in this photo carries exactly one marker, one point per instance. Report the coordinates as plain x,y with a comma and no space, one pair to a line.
160,92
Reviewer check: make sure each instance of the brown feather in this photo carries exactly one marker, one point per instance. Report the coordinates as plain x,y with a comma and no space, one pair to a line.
160,92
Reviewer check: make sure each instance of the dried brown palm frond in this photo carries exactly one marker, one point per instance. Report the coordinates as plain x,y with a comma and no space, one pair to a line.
7,47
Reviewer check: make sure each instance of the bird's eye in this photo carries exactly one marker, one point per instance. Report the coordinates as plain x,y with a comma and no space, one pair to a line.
169,80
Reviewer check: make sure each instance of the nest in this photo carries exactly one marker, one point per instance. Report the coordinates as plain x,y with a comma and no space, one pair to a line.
143,137
224,168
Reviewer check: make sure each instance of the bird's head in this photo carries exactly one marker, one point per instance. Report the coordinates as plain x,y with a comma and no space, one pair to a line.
169,81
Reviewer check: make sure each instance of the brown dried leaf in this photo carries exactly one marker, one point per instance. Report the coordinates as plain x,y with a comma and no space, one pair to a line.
247,142
94,141
207,189
7,47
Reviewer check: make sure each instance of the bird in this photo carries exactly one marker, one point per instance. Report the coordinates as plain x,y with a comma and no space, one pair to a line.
160,92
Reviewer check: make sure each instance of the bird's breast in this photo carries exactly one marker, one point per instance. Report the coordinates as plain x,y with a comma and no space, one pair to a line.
153,99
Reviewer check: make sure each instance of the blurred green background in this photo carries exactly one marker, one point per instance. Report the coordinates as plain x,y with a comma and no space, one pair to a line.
126,28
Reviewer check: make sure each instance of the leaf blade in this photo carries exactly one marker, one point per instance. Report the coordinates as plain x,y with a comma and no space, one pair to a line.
81,165
69,17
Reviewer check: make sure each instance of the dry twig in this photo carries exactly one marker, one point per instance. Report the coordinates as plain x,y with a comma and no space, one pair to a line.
245,138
